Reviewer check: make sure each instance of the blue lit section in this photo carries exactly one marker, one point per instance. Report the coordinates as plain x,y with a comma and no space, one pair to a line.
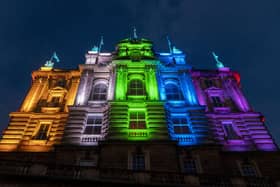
173,67
186,121
179,126
187,125
188,89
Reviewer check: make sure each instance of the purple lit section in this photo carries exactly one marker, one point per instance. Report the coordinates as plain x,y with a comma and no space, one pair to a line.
253,134
199,92
234,91
234,125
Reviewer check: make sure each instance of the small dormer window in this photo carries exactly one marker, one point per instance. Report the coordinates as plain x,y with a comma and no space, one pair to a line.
61,83
216,100
209,83
42,133
230,132
55,100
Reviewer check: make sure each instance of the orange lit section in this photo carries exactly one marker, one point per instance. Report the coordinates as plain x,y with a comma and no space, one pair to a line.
39,123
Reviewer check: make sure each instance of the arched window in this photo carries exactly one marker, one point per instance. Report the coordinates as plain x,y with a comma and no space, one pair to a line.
173,92
99,92
136,87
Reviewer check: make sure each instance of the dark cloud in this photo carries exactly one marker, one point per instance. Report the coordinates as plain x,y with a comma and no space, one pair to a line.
245,34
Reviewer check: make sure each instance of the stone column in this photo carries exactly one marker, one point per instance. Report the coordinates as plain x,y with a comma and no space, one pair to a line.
234,91
34,94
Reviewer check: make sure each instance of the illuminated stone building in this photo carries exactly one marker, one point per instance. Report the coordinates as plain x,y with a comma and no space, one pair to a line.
39,123
137,117
234,123
89,121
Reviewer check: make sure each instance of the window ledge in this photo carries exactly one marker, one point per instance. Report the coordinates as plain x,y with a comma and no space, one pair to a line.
222,109
236,141
38,142
137,97
50,109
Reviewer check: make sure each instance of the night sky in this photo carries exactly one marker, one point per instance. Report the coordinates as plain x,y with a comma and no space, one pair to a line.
245,35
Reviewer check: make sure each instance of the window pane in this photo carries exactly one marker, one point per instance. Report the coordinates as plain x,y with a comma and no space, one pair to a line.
230,132
88,129
248,170
138,162
136,87
93,125
90,121
137,120
99,92
181,129
42,133
209,83
92,130
189,166
61,83
179,121
173,92
217,101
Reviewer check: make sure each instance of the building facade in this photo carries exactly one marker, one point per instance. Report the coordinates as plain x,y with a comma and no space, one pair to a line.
137,117
39,123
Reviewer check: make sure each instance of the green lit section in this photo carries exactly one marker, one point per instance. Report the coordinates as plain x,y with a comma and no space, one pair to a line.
121,83
135,48
151,126
144,70
136,113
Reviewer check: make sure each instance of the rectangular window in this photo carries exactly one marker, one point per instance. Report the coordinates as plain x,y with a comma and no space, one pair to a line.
93,125
248,170
61,83
42,133
180,126
216,100
138,161
54,102
181,130
230,132
137,120
209,83
189,166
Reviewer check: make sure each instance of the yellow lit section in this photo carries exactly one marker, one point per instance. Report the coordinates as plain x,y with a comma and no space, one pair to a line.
39,123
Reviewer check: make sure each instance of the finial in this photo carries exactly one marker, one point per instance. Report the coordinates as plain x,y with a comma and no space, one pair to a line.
134,33
219,64
100,44
169,44
50,62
